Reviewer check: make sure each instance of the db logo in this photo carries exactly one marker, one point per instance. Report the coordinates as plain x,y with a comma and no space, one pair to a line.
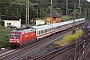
26,35
32,34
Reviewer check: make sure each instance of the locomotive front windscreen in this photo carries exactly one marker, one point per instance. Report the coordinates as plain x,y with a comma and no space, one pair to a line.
14,36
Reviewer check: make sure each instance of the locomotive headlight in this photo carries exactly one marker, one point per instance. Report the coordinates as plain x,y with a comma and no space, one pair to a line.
10,41
18,41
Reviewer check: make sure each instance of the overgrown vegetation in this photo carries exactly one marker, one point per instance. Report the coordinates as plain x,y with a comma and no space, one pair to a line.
4,35
68,38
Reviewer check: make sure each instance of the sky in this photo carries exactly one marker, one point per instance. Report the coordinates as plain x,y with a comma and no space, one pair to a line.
88,0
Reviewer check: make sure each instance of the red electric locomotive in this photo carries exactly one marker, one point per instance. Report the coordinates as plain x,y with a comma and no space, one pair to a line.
22,37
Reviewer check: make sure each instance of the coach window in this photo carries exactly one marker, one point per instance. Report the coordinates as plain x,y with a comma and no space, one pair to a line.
69,24
45,30
56,27
53,28
50,29
39,33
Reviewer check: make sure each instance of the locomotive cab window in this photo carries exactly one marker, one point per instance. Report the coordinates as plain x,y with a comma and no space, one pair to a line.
15,36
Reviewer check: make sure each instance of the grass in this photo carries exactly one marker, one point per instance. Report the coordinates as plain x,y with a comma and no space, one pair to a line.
68,38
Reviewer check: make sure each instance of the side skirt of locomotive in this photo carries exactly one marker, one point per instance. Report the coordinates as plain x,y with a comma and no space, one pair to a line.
15,45
29,41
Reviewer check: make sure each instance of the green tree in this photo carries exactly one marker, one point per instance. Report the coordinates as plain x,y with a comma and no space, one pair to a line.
15,9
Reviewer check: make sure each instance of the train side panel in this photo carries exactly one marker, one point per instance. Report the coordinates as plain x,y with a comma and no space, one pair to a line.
28,37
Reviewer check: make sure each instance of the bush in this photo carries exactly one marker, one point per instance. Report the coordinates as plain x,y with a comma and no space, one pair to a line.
68,38
57,43
4,35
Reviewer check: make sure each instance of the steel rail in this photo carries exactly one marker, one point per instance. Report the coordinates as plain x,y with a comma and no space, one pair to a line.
80,50
55,52
77,53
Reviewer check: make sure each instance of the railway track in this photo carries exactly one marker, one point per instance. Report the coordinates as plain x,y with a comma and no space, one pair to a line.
54,53
78,53
23,53
72,47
